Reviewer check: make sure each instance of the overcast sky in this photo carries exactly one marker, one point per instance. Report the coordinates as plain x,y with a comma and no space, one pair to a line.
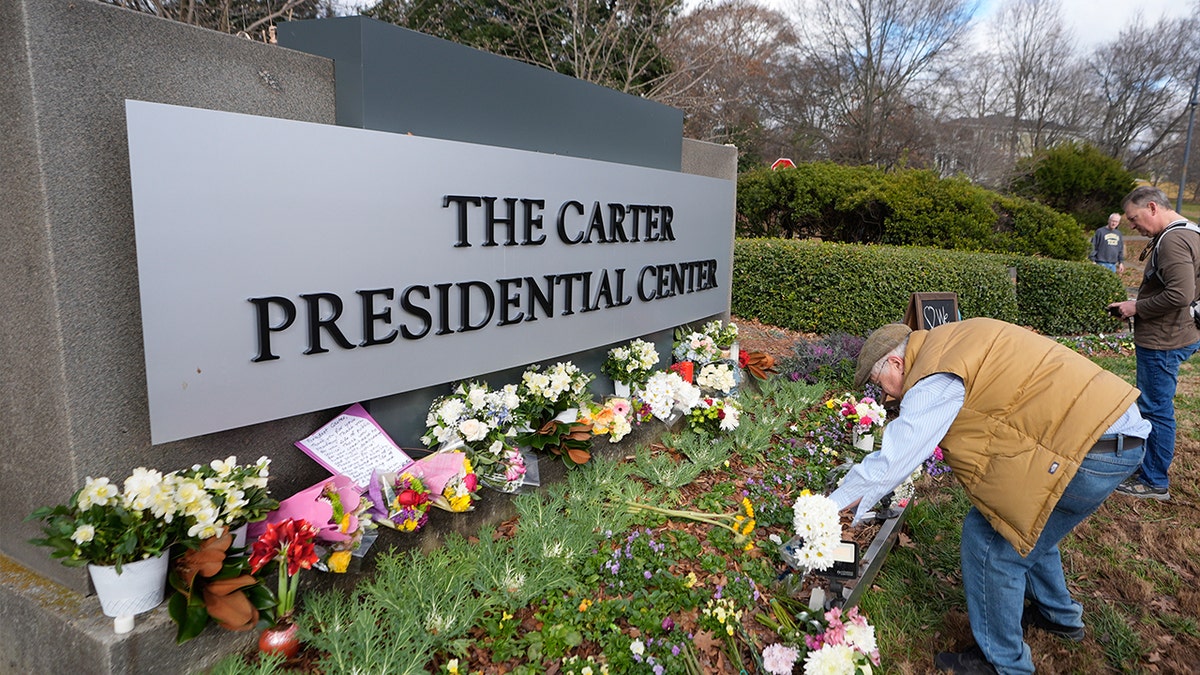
1098,21
1092,21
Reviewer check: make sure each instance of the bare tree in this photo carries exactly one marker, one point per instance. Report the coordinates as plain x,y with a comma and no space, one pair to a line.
874,59
614,43
1035,55
249,18
728,60
1141,83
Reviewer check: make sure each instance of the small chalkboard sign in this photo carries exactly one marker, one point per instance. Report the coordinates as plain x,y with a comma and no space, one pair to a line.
930,310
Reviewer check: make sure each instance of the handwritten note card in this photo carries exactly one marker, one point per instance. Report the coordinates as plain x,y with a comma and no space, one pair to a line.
353,444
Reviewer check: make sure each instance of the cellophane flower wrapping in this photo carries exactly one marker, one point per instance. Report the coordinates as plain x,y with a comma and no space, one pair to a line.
341,515
450,478
611,418
666,392
399,500
474,415
695,346
713,415
717,377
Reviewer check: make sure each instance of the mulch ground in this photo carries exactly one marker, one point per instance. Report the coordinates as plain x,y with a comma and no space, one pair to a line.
1155,543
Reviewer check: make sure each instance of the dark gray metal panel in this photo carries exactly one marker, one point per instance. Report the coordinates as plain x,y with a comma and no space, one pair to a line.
393,79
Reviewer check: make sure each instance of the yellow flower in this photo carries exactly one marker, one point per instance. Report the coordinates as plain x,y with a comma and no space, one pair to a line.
691,580
452,667
584,604
339,561
749,507
749,545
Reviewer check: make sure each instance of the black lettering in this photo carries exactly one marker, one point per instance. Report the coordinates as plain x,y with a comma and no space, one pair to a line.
316,322
597,225
262,313
666,213
532,222
370,316
641,290
415,310
507,301
462,202
464,305
545,300
562,222
491,221
443,308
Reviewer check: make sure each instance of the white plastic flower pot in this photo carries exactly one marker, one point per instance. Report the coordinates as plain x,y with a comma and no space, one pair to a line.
621,389
864,442
138,588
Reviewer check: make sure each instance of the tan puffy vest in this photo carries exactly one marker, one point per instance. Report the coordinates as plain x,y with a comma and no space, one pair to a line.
1032,410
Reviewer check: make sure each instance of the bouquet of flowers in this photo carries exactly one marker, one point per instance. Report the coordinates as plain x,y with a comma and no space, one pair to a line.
101,526
666,392
818,532
399,500
239,493
341,515
451,479
631,364
550,401
711,415
473,415
546,395
695,346
833,642
858,415
722,334
610,417
717,377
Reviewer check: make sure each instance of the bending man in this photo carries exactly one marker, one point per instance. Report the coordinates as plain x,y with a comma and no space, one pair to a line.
1038,436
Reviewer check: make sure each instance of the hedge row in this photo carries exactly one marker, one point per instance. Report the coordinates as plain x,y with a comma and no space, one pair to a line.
861,204
824,288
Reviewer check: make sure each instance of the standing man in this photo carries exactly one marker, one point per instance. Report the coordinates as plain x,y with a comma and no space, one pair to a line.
1037,434
1108,246
1164,333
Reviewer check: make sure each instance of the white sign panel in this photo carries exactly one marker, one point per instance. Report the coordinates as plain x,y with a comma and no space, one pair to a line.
287,267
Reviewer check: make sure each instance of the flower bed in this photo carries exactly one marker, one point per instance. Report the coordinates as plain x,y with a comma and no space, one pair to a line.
656,556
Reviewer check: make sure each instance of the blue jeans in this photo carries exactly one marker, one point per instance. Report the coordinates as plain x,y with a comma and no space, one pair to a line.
997,580
1111,266
1157,376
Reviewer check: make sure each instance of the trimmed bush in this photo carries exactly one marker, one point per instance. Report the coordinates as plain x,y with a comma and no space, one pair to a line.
826,288
1076,179
903,208
1066,298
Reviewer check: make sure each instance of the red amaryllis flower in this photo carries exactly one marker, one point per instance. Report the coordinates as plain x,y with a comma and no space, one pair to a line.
291,543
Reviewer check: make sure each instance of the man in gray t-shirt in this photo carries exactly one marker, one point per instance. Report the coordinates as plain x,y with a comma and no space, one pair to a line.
1108,247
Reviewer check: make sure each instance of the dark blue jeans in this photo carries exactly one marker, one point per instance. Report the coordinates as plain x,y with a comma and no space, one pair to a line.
1157,376
997,580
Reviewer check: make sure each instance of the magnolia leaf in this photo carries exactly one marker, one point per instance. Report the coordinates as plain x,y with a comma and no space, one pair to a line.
579,456
228,605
